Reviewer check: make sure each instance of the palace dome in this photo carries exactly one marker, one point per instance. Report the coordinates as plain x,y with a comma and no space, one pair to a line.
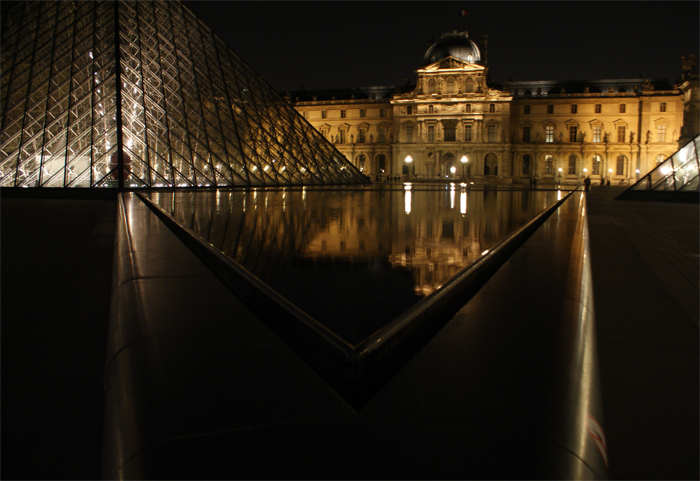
455,44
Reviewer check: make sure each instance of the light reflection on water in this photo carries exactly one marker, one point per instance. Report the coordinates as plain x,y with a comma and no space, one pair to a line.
354,259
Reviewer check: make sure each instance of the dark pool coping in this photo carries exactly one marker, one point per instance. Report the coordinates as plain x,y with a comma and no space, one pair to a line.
244,385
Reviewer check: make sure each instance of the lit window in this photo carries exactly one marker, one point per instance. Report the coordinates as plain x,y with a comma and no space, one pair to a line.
550,109
323,114
573,133
343,114
527,109
362,112
492,108
620,165
572,165
621,134
595,165
548,164
622,108
549,133
597,108
574,108
660,158
662,107
662,133
597,129
491,133
431,133
468,133
409,133
526,133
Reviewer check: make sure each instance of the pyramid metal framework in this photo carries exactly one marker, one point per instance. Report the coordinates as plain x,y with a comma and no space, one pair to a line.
143,94
680,172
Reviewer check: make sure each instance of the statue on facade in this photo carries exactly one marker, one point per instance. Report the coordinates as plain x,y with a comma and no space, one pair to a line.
371,139
648,136
631,137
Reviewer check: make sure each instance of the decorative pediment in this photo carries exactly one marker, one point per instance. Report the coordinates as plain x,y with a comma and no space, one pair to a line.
452,63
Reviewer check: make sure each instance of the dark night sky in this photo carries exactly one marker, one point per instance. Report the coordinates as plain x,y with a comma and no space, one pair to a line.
359,44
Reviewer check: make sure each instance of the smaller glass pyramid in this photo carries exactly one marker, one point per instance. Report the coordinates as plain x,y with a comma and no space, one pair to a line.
143,94
679,172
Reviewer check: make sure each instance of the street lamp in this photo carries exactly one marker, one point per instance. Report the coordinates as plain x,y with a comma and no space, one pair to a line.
609,176
464,161
453,169
408,160
559,178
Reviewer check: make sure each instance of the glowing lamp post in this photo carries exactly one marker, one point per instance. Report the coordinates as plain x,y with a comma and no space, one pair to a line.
464,161
408,160
559,177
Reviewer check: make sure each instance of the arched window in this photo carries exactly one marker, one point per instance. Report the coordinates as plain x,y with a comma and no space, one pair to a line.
572,165
491,165
450,86
431,86
526,164
660,158
430,109
595,165
469,108
492,108
548,164
361,162
469,85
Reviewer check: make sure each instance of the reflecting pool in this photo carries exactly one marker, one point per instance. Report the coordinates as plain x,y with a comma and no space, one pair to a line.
355,258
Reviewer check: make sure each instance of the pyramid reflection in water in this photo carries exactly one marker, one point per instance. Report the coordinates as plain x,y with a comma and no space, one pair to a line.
80,79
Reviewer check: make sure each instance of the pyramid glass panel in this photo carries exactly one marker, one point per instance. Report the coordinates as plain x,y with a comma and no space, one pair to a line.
143,94
679,172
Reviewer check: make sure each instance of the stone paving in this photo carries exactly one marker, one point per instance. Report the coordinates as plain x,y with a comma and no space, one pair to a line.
644,258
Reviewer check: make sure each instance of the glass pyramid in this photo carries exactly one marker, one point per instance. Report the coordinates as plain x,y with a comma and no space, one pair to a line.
143,94
678,172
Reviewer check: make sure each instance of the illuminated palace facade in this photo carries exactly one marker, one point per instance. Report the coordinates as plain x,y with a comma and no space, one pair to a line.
454,123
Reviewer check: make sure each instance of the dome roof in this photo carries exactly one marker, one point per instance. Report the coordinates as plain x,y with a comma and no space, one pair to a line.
455,44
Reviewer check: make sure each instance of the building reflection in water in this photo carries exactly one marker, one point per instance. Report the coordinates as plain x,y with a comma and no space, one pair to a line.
354,259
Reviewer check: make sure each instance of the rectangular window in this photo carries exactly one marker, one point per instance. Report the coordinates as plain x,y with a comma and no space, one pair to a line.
548,164
596,133
662,133
526,133
574,108
597,108
596,165
527,109
491,133
343,114
323,114
620,165
468,133
381,138
621,134
362,112
450,133
431,133
342,136
572,165
409,133
549,133
409,110
662,107
573,133
382,112
550,109
306,114
361,136
622,108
